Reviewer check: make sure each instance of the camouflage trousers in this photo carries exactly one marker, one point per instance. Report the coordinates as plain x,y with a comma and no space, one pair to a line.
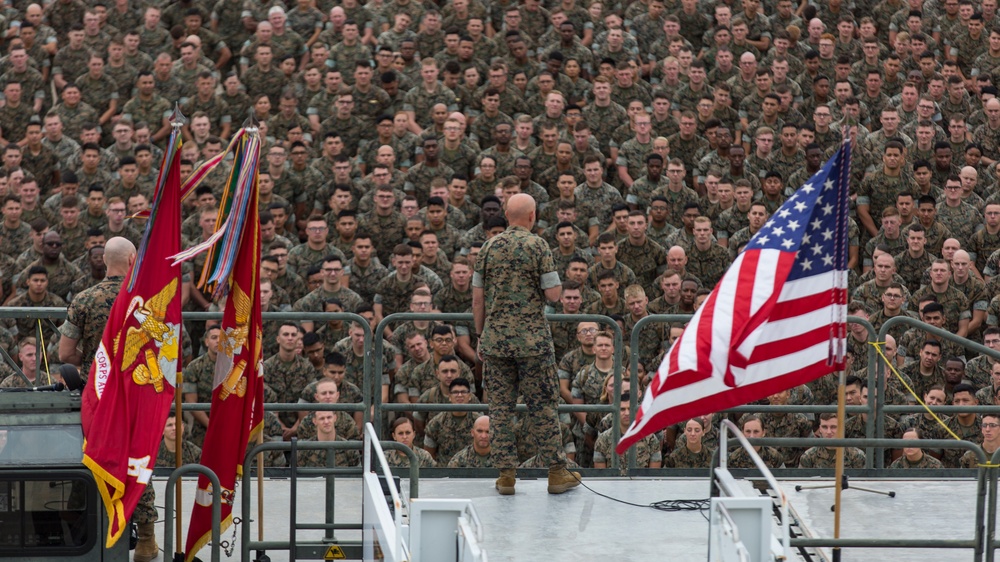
145,512
534,380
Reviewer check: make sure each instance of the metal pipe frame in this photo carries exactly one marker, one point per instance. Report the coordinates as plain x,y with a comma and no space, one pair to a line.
168,508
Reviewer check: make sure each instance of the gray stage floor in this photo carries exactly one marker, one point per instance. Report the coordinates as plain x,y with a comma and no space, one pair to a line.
580,525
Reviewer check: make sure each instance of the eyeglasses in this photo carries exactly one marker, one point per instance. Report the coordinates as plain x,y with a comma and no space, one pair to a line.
985,425
888,296
587,331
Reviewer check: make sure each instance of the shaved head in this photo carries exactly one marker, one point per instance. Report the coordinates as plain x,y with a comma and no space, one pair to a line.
521,210
119,254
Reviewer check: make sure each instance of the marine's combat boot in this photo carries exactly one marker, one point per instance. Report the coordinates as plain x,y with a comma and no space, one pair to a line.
505,484
561,480
147,549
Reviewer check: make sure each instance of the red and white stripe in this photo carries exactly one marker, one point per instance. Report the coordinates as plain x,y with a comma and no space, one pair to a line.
754,336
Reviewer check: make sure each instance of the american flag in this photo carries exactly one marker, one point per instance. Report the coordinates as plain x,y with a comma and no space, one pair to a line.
776,319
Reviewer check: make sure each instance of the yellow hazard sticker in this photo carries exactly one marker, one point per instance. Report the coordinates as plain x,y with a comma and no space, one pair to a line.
334,552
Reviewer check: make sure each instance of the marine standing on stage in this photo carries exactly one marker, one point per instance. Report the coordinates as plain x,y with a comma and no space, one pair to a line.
85,321
514,277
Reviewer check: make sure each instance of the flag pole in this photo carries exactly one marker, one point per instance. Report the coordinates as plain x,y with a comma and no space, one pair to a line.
176,122
253,125
839,471
260,488
840,328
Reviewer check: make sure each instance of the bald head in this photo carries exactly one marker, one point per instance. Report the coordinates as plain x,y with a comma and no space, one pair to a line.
993,103
119,254
521,210
961,255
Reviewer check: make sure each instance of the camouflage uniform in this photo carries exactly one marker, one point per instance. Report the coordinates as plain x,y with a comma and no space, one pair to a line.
87,316
288,380
926,461
913,339
423,378
826,457
978,370
989,139
970,460
151,111
730,221
398,459
981,246
604,120
623,274
951,458
677,200
741,459
709,265
313,302
462,159
448,434
646,261
920,382
870,292
469,458
190,454
14,120
420,102
450,299
517,341
787,165
788,425
386,232
647,451
912,269
97,92
878,318
71,63
302,257
198,379
956,305
260,81
596,202
364,281
963,221
61,276
319,458
395,297
682,457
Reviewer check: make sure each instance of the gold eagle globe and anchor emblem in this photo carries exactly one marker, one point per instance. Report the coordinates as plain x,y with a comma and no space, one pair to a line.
232,341
159,364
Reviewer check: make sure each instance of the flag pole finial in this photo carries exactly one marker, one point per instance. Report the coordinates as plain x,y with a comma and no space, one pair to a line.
177,119
251,123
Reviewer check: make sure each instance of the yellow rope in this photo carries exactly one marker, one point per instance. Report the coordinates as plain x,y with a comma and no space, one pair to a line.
878,349
45,354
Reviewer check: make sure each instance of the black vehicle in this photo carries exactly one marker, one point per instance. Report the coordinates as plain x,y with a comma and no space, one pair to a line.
49,503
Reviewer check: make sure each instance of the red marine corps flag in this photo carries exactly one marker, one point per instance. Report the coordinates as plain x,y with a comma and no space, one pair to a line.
776,319
132,378
233,267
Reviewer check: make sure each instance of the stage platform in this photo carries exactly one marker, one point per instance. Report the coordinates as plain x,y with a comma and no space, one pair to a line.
580,525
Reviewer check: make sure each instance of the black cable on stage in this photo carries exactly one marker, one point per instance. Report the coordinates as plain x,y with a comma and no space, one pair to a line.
699,505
